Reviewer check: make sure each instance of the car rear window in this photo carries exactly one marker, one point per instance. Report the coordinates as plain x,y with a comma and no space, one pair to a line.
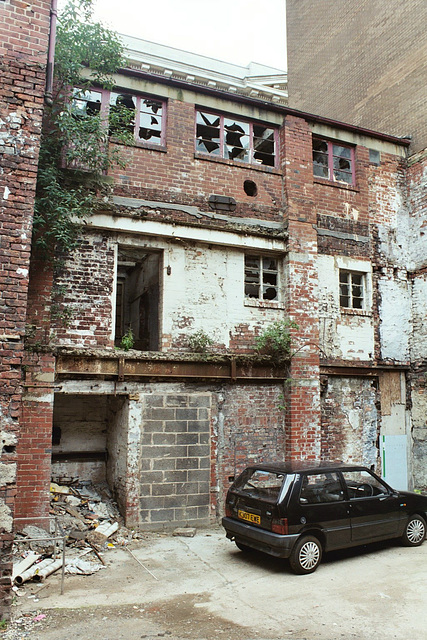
269,486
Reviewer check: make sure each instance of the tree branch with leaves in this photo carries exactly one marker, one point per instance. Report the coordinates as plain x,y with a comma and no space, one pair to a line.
75,152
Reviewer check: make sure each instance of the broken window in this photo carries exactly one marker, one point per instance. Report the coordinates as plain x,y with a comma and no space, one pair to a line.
352,286
232,139
129,116
333,161
261,277
137,298
86,103
140,116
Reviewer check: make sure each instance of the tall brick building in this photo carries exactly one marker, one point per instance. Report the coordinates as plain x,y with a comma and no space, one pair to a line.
23,58
363,62
233,212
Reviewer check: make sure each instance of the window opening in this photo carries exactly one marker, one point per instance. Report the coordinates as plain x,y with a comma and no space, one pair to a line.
333,161
86,103
351,289
261,277
122,113
233,139
137,298
140,117
150,120
374,157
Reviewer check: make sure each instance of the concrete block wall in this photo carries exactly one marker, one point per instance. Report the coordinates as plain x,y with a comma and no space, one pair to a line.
23,50
175,459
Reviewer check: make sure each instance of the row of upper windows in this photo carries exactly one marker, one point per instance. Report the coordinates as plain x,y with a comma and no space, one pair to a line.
215,135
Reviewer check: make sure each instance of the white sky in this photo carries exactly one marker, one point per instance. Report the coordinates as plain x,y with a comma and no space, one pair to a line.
239,31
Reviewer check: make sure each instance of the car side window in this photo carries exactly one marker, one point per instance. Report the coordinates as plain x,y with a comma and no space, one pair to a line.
362,484
317,488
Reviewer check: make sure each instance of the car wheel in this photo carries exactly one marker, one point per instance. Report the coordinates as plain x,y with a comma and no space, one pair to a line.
306,555
243,547
415,532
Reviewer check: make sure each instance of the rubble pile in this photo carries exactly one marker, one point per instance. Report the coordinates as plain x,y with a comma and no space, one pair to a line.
84,522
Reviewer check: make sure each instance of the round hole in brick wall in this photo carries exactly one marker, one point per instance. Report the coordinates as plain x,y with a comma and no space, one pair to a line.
250,188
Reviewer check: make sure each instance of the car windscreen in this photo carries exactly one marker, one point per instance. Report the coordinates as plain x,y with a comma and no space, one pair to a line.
270,486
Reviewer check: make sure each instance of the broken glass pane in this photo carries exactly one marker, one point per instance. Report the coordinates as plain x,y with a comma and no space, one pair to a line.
236,140
263,145
252,276
150,121
122,113
342,152
86,103
320,145
208,133
320,158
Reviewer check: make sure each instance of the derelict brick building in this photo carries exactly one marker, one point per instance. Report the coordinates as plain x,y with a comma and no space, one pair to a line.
233,212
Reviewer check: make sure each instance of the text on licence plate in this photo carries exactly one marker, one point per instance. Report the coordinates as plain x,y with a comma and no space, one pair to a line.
249,517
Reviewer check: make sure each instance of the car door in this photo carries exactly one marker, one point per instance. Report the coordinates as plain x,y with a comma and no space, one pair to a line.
374,508
322,503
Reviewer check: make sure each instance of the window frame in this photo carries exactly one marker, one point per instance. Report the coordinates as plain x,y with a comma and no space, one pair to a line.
350,284
223,144
330,155
139,97
260,298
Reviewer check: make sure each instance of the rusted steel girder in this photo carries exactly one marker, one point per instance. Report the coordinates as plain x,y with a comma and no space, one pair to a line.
120,368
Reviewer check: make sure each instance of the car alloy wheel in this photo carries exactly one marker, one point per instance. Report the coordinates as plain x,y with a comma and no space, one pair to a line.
415,531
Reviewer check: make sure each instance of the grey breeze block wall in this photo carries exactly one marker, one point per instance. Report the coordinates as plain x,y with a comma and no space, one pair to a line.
175,459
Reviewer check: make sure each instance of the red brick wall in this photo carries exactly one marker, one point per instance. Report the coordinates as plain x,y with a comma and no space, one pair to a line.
249,426
23,46
302,397
179,177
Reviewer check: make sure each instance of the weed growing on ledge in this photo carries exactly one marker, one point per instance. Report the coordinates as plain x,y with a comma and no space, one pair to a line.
199,341
127,340
275,340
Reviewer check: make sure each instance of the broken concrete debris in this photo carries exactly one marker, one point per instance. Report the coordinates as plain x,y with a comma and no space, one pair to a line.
83,521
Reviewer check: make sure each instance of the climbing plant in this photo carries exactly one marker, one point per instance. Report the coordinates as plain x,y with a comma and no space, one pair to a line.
75,153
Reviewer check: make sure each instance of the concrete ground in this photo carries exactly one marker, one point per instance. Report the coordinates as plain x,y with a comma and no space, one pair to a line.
203,588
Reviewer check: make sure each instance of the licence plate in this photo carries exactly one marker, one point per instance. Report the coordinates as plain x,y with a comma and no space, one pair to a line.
249,517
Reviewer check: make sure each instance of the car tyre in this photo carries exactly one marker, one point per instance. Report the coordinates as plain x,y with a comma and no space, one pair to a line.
415,532
306,555
243,547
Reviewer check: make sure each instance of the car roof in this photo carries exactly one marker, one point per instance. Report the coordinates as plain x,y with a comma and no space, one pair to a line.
299,466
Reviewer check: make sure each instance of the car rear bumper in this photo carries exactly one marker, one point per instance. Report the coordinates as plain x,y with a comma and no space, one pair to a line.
274,544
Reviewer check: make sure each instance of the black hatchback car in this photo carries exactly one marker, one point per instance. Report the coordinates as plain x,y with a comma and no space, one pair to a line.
298,510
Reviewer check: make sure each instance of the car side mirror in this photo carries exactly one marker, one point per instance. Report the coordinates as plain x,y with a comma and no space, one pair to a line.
231,479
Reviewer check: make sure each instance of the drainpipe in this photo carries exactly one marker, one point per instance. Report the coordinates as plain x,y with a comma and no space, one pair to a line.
51,52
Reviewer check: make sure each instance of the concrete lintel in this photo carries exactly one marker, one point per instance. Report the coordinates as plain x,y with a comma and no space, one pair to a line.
264,232
343,236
